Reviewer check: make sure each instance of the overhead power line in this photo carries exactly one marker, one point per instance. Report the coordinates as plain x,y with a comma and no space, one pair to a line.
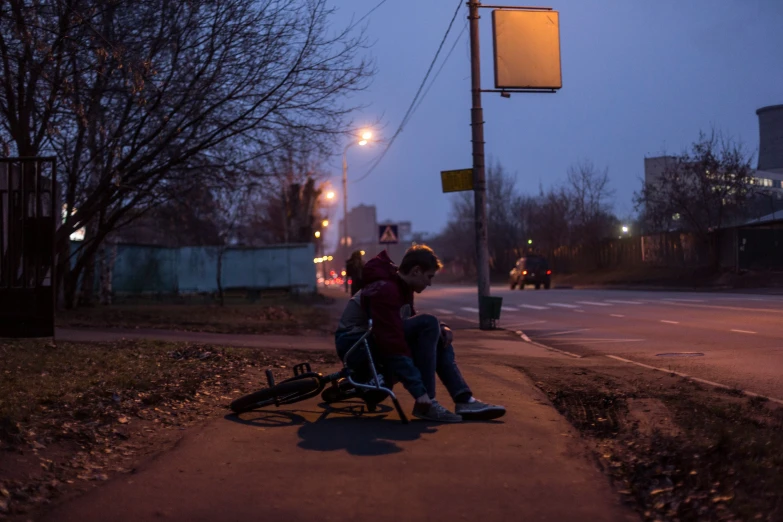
414,104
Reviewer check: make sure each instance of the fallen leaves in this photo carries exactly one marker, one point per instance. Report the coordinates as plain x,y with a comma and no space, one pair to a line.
85,412
724,460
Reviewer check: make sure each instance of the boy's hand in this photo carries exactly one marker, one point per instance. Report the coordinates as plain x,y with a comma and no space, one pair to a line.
447,334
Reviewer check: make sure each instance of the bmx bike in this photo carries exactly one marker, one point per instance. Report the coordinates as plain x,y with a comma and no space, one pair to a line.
306,383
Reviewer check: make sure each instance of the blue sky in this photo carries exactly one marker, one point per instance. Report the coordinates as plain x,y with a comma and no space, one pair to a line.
639,78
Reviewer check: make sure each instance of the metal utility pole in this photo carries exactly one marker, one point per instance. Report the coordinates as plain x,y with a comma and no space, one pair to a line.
479,178
345,207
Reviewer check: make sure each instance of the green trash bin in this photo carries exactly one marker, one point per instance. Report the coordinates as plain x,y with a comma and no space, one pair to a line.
490,307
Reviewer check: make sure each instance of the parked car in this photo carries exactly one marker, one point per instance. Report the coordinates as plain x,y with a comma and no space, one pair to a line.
531,270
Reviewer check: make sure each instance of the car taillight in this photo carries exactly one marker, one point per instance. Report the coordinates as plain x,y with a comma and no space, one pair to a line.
548,272
350,281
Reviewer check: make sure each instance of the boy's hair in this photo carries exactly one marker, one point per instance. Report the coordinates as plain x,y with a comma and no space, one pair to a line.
422,256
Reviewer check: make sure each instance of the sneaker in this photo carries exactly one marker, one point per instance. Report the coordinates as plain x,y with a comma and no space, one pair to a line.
434,412
478,410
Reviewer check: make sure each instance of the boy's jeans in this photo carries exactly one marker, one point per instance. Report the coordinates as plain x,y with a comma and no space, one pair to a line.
433,356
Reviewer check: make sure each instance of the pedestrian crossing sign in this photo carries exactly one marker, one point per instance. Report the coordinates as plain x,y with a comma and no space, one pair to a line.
387,234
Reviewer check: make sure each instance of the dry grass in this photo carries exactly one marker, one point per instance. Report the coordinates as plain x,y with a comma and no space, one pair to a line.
272,315
74,415
677,451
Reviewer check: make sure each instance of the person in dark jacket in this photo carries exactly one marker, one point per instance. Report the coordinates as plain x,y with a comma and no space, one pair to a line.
413,348
353,271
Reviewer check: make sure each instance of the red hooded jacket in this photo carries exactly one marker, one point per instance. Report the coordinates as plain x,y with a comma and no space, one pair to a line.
389,300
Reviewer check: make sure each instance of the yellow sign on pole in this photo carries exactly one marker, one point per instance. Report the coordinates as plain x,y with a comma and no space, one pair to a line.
456,180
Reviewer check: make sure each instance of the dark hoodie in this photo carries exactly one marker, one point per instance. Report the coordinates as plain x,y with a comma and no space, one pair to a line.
389,301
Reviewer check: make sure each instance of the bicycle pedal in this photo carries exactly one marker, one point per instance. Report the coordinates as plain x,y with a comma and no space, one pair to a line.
302,368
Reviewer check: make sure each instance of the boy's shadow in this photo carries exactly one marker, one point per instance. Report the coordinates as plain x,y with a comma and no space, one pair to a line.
346,427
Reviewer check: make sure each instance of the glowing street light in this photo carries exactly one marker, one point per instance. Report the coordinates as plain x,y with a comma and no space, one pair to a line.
330,194
625,229
325,223
366,137
317,233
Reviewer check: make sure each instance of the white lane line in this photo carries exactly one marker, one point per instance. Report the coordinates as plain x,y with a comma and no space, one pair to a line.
533,307
508,309
670,322
469,309
696,379
616,315
566,332
744,331
443,312
593,303
562,305
685,300
619,301
580,340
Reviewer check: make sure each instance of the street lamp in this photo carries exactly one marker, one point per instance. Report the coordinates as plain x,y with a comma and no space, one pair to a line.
325,223
330,194
365,136
625,229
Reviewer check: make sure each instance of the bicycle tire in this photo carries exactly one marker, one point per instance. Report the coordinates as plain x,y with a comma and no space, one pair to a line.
267,396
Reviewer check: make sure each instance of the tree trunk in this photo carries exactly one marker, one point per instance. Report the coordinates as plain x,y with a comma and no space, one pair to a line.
108,257
87,294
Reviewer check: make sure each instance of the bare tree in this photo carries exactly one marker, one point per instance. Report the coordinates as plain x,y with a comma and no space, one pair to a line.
135,96
701,190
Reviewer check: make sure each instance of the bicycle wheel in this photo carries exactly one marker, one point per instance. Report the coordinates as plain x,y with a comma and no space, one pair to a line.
267,396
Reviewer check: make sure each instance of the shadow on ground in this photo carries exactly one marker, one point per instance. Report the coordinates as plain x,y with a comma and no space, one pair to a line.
348,428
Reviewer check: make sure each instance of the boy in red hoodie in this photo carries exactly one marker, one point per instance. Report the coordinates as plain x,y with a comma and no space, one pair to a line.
413,348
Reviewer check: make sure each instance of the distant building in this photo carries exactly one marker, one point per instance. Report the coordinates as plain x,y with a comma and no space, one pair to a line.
362,226
363,233
769,170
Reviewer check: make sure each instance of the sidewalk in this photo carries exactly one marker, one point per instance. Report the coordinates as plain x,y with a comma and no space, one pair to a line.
302,463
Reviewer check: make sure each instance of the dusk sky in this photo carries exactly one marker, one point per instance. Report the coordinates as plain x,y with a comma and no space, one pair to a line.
639,78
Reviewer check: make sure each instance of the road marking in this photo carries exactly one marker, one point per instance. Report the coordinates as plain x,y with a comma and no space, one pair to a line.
696,379
566,332
744,331
670,322
534,307
469,309
443,312
616,315
685,300
588,340
563,305
593,303
619,301
736,308
508,309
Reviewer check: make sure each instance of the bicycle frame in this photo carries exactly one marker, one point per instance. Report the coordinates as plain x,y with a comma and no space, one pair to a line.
303,371
363,341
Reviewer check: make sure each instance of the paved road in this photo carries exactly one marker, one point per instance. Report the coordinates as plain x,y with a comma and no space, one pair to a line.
731,339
